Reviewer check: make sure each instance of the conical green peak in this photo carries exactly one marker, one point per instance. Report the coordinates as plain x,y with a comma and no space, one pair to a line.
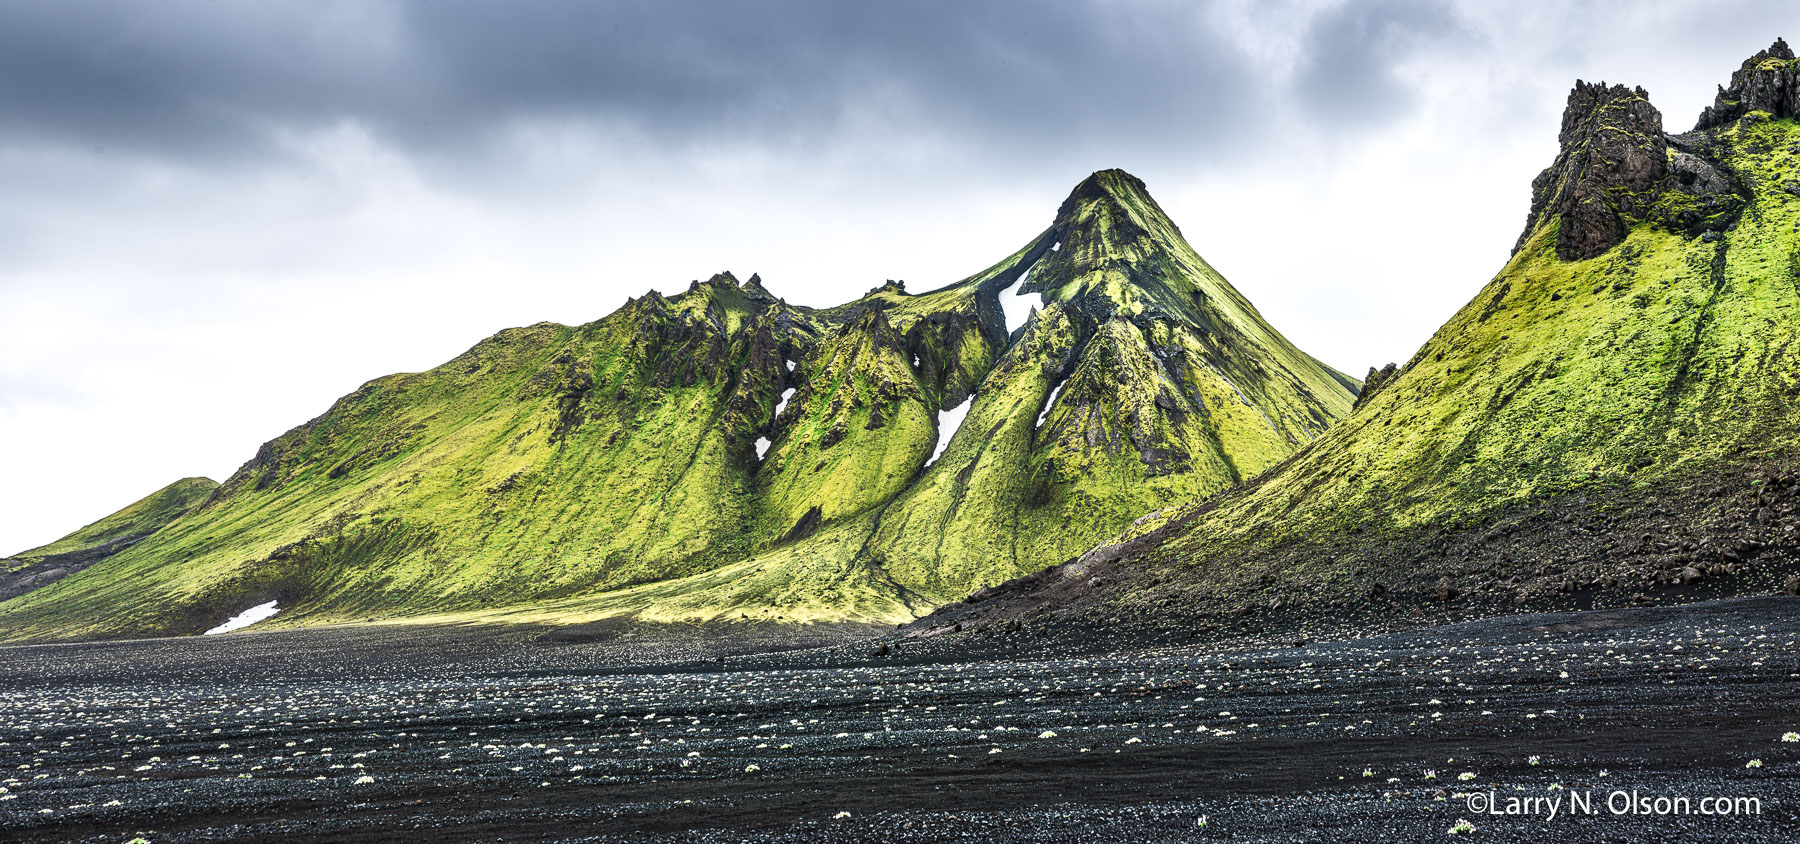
1117,252
1123,191
1113,213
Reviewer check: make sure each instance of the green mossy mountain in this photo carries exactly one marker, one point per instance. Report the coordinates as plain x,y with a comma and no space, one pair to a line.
724,455
1146,380
45,564
1610,415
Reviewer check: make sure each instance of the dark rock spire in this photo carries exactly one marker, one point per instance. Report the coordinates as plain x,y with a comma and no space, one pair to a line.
1613,152
1768,81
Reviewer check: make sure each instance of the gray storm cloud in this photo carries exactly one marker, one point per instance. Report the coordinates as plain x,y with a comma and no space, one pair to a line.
206,79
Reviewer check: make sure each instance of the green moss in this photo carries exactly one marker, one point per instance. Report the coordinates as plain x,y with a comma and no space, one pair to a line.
859,429
1660,355
141,518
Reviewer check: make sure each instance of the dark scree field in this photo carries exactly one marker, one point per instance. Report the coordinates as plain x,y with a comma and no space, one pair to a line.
448,734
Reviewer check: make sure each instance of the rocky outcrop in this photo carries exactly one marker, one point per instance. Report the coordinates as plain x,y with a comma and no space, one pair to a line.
756,292
889,286
1768,81
1617,167
1373,382
1613,155
719,281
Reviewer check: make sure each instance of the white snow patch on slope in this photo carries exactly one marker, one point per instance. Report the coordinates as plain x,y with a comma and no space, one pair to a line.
1015,305
762,443
948,422
246,618
1050,404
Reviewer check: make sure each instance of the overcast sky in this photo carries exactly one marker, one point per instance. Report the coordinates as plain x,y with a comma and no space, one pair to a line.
217,217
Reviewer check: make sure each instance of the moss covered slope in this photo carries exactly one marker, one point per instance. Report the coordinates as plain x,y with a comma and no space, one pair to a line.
45,564
137,520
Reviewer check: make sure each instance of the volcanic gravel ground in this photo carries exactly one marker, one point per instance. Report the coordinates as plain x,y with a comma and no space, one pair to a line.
454,734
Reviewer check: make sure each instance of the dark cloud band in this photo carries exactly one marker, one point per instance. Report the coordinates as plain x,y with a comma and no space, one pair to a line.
214,80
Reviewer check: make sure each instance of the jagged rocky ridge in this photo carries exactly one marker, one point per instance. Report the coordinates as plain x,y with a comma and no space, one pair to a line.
1616,168
723,455
1613,419
1768,82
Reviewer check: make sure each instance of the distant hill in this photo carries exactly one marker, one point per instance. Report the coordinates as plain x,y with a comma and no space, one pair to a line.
41,566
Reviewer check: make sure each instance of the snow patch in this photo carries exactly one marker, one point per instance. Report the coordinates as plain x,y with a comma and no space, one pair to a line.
1015,305
1049,404
246,618
762,443
948,421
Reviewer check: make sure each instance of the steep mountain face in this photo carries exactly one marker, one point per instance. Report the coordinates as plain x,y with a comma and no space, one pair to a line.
1612,417
723,455
1127,266
47,564
1147,380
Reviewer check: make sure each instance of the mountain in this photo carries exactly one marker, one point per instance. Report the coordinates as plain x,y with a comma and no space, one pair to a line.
1613,419
722,455
28,570
1145,379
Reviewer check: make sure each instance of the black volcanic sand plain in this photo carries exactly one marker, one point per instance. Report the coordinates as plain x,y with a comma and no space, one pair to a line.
398,733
